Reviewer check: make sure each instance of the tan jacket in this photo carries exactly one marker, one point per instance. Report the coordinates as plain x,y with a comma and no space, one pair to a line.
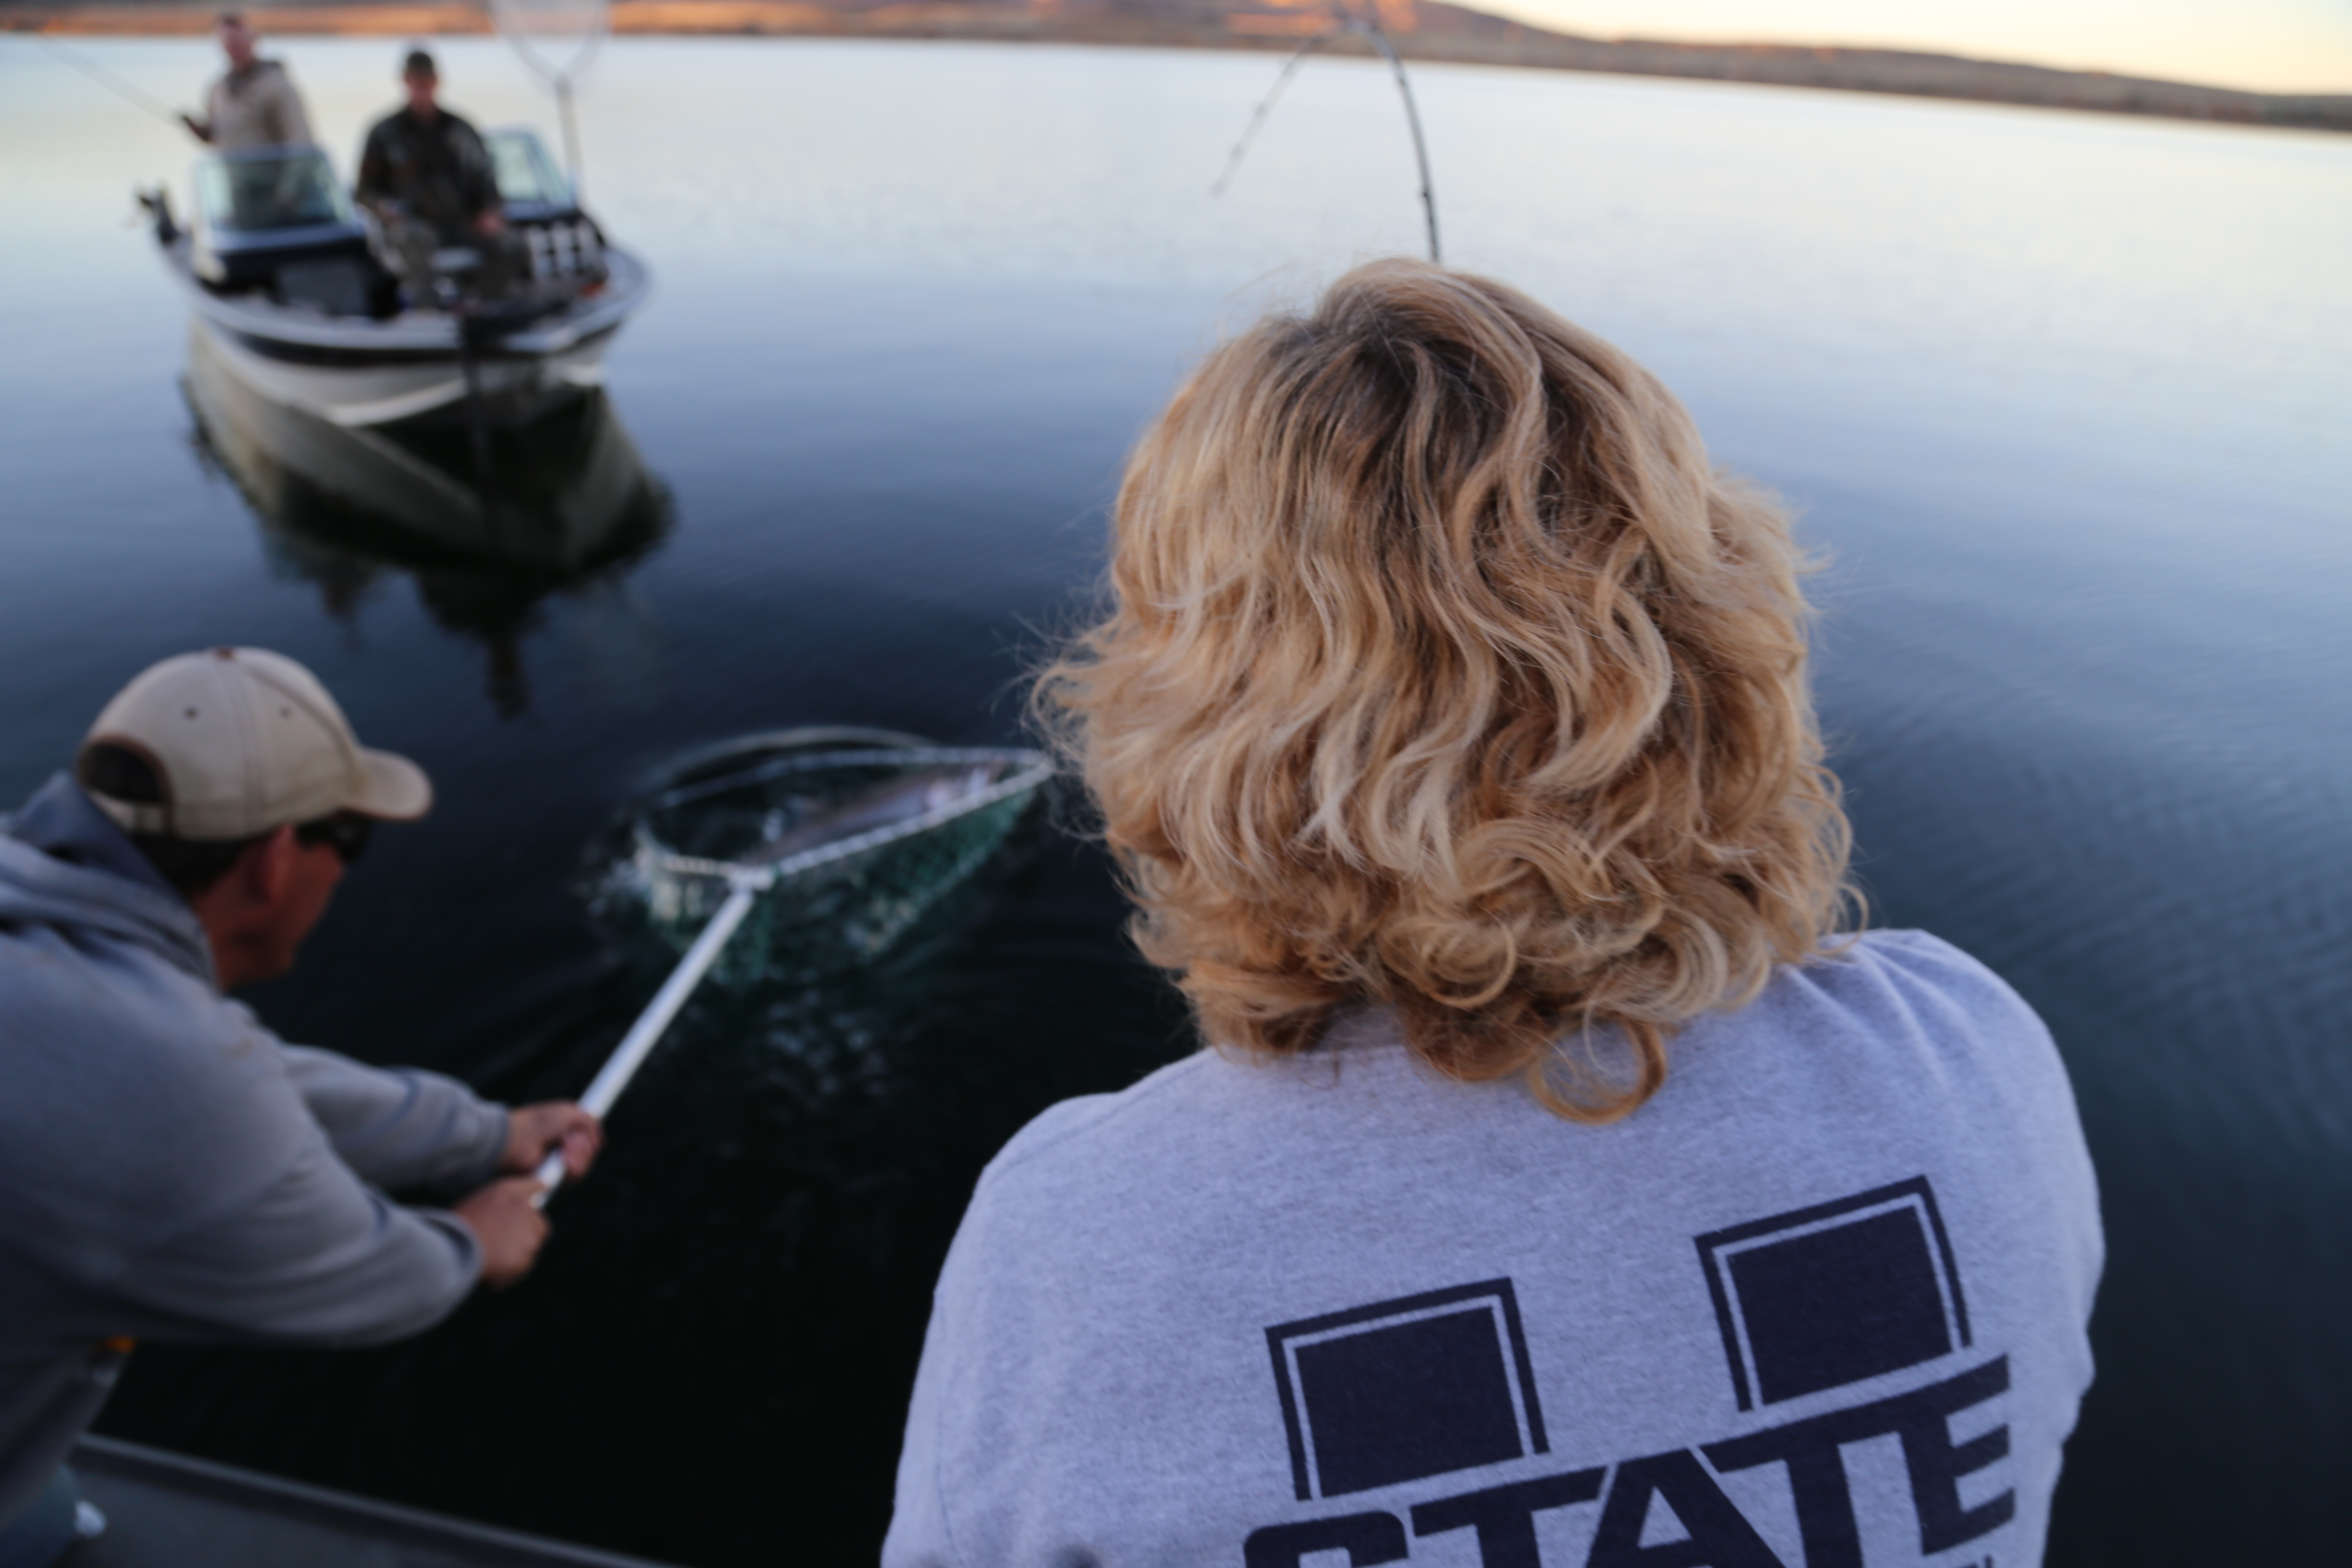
256,107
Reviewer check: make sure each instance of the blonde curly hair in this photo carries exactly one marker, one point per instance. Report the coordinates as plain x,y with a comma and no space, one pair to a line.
1443,673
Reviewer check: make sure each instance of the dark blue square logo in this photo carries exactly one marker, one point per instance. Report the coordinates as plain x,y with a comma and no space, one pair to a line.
1398,1390
1831,1295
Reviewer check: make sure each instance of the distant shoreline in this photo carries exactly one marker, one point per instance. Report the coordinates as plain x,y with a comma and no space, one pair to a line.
1421,29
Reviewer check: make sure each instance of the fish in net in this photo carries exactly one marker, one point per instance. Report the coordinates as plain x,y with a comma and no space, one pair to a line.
855,842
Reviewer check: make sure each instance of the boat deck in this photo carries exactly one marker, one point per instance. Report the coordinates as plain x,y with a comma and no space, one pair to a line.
164,1510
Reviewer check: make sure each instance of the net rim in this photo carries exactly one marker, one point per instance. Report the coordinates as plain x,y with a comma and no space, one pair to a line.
1034,769
512,23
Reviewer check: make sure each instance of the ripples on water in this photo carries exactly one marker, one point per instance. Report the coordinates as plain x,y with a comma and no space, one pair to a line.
2062,398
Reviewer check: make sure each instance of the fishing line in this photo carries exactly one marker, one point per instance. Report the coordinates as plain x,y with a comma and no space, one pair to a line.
1265,107
107,78
1380,40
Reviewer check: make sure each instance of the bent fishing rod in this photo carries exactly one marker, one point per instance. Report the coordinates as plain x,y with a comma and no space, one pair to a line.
113,83
1380,41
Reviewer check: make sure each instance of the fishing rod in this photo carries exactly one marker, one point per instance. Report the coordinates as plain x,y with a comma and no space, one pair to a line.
108,80
1380,40
1265,107
1413,118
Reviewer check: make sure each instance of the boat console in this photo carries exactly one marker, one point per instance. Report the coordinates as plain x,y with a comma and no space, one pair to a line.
564,243
276,221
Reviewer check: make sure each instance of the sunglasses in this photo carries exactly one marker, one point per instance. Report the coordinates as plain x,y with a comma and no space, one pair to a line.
346,833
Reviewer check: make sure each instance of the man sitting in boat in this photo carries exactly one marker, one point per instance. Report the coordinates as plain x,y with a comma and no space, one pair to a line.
168,1168
254,102
427,177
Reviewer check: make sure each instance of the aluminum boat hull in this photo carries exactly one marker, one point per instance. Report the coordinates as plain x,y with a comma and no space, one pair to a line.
168,1511
357,371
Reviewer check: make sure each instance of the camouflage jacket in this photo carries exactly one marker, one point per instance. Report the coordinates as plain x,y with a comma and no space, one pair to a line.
439,168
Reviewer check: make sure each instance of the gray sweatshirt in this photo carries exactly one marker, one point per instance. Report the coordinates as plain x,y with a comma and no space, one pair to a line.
1822,1302
168,1168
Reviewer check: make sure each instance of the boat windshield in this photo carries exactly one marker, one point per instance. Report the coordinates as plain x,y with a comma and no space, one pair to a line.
270,188
527,177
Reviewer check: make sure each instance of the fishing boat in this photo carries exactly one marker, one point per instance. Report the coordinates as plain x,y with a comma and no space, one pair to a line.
288,276
168,1511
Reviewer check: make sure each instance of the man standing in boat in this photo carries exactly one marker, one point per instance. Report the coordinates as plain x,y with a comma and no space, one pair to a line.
251,104
428,177
168,1168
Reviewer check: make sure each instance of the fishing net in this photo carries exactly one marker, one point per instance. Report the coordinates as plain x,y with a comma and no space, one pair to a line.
847,889
557,38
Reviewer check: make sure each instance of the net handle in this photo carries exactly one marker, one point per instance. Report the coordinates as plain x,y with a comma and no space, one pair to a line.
655,1021
527,48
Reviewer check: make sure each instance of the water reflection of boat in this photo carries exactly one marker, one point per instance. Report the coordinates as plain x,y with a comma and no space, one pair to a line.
287,274
487,522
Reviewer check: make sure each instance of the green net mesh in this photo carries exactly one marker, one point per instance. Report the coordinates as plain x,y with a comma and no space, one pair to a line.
862,844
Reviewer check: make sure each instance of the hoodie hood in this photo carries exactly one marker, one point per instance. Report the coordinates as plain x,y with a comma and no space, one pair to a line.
64,863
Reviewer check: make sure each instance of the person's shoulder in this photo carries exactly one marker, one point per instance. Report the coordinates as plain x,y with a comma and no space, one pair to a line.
1911,963
112,1024
1888,985
164,1100
1072,1130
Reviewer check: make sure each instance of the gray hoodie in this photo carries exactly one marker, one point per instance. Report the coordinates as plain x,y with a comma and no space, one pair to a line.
168,1168
1821,1301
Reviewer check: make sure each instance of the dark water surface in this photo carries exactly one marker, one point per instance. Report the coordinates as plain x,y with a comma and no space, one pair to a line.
2062,398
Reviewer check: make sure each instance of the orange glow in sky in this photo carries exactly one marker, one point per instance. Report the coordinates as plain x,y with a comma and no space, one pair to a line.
2269,46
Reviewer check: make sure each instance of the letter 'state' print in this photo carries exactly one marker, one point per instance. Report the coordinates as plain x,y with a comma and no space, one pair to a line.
1429,1388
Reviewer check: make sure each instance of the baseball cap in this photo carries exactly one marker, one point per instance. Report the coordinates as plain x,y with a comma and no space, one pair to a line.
245,740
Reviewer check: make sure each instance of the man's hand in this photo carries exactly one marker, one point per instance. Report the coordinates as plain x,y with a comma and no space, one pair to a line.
535,1131
510,1230
492,222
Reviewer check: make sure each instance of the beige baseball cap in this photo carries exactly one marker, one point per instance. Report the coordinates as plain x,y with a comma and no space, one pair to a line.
245,740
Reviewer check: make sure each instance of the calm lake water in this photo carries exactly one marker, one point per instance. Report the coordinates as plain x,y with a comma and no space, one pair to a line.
2063,401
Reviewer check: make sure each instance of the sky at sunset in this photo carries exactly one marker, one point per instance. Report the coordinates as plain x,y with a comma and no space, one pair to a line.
2272,45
